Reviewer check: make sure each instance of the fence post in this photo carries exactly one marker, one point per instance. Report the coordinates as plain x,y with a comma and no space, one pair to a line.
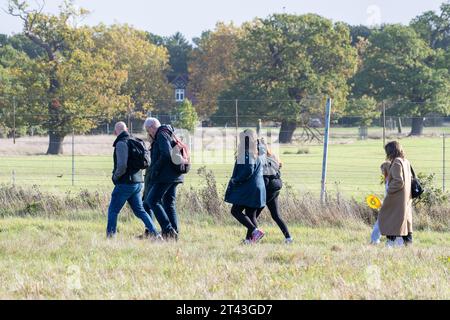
443,162
13,177
14,120
73,157
325,150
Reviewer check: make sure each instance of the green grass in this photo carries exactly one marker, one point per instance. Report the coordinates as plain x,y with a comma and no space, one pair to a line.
353,167
67,259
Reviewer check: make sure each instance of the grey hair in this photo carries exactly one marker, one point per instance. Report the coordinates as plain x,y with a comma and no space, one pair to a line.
151,122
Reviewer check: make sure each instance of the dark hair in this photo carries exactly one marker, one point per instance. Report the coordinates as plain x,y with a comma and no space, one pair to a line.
394,150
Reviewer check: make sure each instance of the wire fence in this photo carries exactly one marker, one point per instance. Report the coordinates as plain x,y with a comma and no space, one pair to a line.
355,150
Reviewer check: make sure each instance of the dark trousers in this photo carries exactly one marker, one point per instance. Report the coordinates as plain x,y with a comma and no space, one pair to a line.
406,239
161,199
248,219
273,206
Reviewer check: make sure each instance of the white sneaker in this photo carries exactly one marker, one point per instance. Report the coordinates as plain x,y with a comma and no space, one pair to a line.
398,242
246,242
375,243
289,241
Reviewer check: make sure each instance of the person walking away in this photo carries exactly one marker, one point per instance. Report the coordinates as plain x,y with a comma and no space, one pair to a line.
164,178
273,185
147,187
128,185
395,218
246,191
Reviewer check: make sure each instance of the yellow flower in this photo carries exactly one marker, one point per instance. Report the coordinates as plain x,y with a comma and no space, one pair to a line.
373,202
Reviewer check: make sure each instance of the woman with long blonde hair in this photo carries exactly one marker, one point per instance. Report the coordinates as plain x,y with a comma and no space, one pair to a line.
273,185
246,191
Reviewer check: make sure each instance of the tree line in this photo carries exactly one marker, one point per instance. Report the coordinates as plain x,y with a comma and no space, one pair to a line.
63,76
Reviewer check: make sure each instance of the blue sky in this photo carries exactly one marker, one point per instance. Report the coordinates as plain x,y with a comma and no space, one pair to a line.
165,17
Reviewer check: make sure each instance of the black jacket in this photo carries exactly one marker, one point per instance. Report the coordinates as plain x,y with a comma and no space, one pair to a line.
162,169
121,173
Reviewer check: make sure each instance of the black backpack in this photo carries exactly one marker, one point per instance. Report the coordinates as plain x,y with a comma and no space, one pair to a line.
138,154
416,188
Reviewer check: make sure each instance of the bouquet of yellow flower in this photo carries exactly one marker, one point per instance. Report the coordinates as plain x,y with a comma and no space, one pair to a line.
373,202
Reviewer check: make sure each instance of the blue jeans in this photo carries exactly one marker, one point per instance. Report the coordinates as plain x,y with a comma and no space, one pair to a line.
376,234
120,195
162,201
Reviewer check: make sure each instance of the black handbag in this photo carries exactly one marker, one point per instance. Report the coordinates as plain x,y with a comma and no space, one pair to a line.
416,188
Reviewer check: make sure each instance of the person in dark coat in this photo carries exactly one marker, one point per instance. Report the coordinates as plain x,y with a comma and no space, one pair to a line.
273,185
128,185
163,178
246,190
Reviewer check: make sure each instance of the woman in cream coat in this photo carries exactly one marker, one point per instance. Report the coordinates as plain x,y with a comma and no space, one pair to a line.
395,216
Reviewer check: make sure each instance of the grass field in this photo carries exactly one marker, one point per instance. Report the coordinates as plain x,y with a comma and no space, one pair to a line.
47,252
71,259
353,167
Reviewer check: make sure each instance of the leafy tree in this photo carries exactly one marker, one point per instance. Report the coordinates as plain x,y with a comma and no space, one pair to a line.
434,28
285,60
358,33
364,108
400,68
78,84
180,52
213,66
154,38
187,117
17,71
21,43
146,65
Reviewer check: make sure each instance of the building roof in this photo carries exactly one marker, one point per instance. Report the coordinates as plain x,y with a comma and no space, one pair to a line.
178,81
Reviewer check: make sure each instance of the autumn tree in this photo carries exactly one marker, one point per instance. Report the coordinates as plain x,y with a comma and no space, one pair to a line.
213,66
17,73
145,63
79,84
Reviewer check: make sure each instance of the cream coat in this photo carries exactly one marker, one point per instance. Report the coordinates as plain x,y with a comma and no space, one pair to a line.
395,218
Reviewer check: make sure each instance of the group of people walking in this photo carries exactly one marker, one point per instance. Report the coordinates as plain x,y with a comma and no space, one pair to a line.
255,184
161,181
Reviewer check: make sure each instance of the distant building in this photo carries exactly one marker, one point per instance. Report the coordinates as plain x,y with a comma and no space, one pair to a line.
179,84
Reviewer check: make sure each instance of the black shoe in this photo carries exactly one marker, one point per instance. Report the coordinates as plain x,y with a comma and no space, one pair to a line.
170,235
144,236
408,240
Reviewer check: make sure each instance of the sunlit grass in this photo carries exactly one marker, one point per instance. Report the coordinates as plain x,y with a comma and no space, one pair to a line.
64,259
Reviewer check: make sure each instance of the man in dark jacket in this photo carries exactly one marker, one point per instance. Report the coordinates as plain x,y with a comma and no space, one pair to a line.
164,179
128,185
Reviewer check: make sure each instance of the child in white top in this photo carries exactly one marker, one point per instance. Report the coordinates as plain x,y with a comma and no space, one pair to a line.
376,234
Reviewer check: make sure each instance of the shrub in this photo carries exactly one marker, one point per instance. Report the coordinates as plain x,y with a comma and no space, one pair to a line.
432,196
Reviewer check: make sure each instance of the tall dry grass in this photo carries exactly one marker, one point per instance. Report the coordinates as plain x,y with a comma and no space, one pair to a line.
206,201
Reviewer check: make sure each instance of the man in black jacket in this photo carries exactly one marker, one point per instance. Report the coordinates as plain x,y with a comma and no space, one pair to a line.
164,179
128,185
